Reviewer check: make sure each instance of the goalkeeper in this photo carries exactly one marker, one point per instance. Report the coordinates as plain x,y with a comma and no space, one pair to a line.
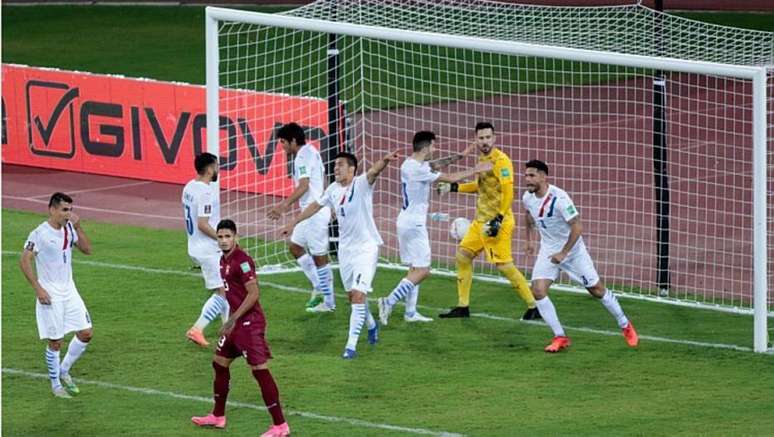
492,228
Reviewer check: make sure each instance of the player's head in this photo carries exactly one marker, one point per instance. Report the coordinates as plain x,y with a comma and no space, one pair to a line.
291,137
485,137
206,165
227,235
345,167
535,175
59,207
423,141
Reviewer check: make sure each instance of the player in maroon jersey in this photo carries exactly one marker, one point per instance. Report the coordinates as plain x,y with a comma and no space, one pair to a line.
242,335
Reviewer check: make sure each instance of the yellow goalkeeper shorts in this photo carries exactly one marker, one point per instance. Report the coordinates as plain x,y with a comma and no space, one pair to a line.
497,249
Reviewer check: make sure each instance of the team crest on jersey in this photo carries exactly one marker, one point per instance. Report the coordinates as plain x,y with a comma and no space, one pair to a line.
208,209
245,266
30,245
504,172
571,209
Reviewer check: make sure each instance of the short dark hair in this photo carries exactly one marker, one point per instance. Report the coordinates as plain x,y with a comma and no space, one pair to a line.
226,224
481,125
422,139
537,165
351,159
203,161
58,198
292,131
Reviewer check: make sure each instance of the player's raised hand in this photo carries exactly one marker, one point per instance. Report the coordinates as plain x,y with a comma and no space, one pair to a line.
470,150
276,212
392,156
443,188
74,219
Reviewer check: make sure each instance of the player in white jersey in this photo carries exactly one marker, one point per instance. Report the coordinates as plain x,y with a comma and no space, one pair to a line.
59,308
550,212
201,209
352,200
309,242
417,174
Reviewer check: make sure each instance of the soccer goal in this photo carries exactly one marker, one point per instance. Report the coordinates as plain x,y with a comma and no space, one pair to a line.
655,124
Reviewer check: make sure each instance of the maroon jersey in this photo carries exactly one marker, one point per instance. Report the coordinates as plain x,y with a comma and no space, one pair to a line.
236,270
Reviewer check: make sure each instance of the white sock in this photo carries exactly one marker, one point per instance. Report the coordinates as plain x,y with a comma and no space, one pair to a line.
306,262
548,312
74,351
356,319
325,285
226,311
411,301
400,292
211,309
52,363
370,321
613,307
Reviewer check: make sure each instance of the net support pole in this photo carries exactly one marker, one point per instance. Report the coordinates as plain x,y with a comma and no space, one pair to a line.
660,161
212,57
760,257
332,145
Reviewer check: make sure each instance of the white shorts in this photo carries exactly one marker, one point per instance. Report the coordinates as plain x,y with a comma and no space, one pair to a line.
62,316
210,270
414,244
357,269
312,233
578,266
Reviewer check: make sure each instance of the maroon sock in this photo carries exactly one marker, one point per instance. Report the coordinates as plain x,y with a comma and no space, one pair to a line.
270,395
220,388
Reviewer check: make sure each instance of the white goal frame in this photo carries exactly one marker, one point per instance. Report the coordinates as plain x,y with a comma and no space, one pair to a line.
757,74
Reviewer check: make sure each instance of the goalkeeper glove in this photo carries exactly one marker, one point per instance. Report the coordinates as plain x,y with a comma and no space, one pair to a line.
444,188
492,227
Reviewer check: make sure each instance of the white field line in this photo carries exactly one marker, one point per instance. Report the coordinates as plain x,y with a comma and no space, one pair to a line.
208,400
89,208
479,315
92,190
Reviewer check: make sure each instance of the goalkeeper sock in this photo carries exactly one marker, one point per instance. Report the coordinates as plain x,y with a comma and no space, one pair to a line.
211,309
306,263
411,301
613,307
356,320
548,312
400,292
464,280
325,284
220,388
519,283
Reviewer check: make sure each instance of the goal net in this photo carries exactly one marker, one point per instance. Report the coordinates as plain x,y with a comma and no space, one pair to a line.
655,125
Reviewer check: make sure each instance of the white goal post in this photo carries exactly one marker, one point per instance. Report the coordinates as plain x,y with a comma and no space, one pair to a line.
600,76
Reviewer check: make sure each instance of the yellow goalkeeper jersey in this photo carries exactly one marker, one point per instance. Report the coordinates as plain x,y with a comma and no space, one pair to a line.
495,187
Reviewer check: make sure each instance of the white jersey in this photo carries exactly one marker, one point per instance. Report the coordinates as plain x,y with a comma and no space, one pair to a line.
200,200
354,209
53,257
308,164
551,214
415,183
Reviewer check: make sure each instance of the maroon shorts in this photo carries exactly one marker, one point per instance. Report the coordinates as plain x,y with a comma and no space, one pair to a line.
247,342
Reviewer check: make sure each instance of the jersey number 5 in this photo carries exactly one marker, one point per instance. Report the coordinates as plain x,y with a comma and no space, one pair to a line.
188,220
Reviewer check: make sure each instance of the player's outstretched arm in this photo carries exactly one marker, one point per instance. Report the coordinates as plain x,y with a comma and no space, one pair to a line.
276,212
305,214
249,302
83,244
460,175
25,263
379,166
437,164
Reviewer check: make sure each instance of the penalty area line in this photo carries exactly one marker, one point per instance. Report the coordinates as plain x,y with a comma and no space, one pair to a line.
305,414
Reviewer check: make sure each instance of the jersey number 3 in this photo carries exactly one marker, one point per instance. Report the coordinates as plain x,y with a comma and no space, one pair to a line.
188,220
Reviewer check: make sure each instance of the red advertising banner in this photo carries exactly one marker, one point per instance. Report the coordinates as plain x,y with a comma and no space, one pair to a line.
146,129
